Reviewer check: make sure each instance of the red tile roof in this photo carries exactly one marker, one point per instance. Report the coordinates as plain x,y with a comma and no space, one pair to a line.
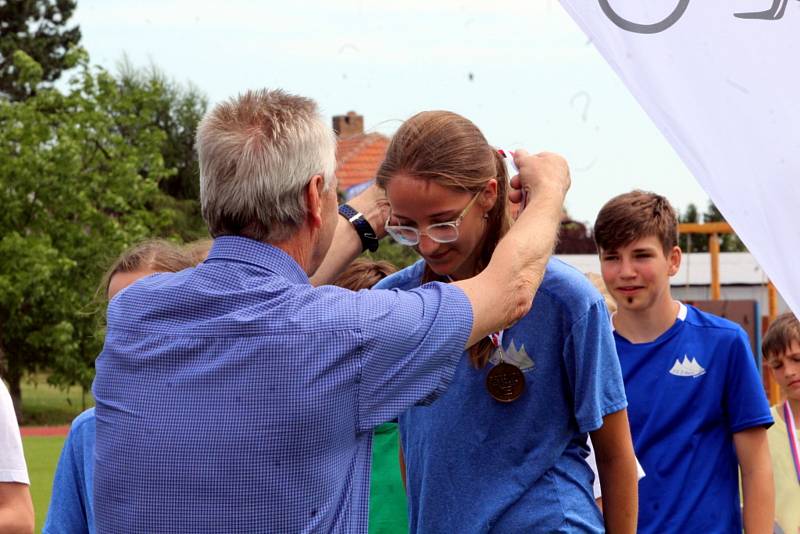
358,158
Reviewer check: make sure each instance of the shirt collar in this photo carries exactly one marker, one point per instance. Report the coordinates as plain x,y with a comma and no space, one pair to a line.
682,312
252,252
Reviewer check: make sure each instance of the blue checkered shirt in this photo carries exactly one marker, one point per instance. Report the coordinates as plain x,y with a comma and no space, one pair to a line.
236,397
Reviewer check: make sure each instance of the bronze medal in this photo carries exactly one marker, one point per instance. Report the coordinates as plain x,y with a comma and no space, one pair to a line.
505,382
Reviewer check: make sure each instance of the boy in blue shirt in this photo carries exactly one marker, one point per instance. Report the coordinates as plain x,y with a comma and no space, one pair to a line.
697,408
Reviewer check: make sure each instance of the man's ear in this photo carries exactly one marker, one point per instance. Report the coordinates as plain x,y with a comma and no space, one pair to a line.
314,195
674,258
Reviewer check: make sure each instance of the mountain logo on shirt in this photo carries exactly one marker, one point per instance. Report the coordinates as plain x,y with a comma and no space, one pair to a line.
687,367
515,356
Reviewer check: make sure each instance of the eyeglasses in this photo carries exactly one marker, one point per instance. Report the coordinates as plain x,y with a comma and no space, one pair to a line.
445,232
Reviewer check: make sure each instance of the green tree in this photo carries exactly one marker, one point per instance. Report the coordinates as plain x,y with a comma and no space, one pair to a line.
692,242
79,183
178,111
727,242
396,254
38,28
699,242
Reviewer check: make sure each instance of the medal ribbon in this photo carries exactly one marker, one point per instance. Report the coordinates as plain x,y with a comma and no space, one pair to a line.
791,430
496,339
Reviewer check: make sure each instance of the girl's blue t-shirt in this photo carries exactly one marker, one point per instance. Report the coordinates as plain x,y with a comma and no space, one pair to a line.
478,465
71,504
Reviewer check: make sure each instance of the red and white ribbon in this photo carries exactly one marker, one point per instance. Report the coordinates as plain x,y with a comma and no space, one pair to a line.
791,430
497,339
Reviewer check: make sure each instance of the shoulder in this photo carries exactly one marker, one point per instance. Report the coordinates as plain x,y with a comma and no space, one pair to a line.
84,422
699,318
568,289
405,279
712,325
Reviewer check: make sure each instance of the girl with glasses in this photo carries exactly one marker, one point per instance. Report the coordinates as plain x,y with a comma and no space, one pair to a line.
503,448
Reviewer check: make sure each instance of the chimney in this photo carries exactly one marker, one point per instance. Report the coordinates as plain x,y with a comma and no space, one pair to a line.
348,125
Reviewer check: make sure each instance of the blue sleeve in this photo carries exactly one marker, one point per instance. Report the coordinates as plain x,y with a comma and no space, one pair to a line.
590,356
412,343
745,401
70,507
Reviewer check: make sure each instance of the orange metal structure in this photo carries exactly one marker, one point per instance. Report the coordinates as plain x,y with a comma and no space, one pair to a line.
713,230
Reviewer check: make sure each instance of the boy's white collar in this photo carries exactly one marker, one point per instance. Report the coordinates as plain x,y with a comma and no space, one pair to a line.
683,311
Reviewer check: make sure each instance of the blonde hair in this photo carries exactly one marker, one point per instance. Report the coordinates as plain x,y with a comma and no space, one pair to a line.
197,251
450,150
153,255
257,153
364,273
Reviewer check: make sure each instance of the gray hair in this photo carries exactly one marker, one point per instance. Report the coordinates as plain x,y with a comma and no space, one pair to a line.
257,153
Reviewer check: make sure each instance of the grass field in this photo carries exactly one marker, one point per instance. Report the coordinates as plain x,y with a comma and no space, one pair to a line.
41,454
43,404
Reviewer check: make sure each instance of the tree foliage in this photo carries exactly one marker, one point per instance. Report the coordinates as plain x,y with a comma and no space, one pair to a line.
699,242
177,113
79,183
396,254
38,28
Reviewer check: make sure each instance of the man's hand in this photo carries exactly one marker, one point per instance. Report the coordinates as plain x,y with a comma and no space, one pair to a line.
503,293
374,205
541,172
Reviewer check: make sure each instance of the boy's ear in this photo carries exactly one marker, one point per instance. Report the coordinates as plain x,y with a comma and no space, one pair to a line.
674,259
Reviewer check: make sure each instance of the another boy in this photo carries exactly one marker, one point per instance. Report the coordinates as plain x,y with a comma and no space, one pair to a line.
696,403
781,349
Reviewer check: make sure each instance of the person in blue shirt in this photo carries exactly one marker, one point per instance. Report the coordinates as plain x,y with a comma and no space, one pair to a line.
71,501
506,452
697,407
238,397
387,497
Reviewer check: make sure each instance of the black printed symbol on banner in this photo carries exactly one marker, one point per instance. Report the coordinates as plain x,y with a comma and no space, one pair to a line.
635,27
773,13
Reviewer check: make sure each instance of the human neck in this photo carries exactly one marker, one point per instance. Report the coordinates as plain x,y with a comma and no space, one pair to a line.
463,272
643,326
470,267
300,250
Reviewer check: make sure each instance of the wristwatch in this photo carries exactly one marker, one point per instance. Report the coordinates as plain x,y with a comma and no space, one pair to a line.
369,240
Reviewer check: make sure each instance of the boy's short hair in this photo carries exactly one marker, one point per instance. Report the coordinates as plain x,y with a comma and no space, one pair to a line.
780,334
631,216
364,273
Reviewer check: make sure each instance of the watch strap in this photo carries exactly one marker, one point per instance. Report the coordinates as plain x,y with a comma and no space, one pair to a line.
369,239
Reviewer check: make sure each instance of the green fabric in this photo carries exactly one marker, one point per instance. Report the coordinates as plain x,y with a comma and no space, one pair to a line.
388,512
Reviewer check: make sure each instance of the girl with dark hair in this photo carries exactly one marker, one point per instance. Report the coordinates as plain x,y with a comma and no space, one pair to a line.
503,449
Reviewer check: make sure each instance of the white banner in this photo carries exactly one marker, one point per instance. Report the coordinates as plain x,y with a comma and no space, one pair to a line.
721,80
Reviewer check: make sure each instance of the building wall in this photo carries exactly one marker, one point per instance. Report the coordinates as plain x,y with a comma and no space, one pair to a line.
758,293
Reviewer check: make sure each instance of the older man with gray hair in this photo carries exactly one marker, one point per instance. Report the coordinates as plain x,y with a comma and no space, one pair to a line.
237,396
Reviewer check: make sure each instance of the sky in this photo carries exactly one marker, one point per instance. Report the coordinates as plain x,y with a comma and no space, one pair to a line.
522,71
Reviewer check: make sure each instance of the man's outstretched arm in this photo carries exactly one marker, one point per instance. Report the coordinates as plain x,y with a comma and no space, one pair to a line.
503,293
346,244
